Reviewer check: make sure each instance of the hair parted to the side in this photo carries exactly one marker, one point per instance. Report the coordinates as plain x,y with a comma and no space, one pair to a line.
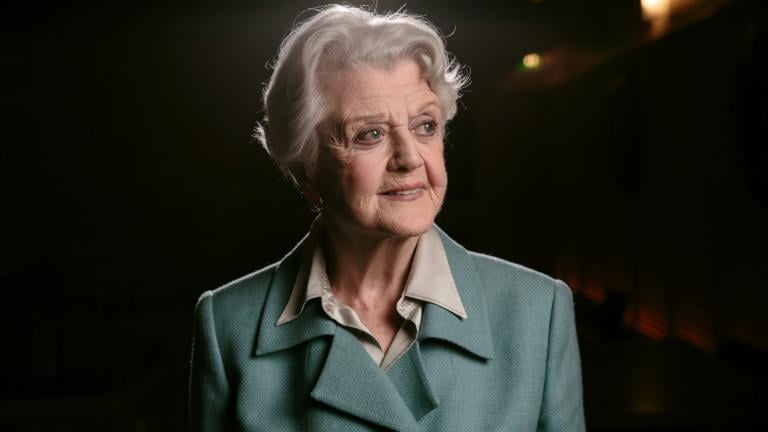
343,36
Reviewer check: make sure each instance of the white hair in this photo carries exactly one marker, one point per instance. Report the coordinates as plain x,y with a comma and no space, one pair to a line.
343,36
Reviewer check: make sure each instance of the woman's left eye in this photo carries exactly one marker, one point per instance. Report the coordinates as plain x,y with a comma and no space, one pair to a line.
427,128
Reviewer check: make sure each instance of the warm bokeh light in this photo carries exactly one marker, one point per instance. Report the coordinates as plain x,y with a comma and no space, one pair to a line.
531,61
655,9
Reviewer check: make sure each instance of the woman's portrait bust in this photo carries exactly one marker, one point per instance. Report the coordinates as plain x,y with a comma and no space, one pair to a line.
377,319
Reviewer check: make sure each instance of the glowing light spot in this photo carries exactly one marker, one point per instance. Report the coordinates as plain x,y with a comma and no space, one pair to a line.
655,9
531,61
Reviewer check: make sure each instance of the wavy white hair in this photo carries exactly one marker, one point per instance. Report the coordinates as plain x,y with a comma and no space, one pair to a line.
343,36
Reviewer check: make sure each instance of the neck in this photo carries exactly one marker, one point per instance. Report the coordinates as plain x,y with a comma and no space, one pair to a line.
367,271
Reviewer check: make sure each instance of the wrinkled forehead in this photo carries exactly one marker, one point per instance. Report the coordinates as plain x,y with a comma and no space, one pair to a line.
366,89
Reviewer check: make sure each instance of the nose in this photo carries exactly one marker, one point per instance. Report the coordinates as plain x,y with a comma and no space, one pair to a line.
405,152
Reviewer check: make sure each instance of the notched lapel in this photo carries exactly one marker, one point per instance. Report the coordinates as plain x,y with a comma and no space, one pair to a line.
409,376
351,382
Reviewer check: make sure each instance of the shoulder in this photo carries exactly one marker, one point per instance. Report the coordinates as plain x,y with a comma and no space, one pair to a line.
513,288
245,287
241,289
242,298
503,283
250,291
231,313
501,275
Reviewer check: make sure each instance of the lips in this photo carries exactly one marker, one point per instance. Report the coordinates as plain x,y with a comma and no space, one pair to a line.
405,190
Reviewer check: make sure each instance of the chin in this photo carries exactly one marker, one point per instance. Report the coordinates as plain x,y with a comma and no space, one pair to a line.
412,219
408,227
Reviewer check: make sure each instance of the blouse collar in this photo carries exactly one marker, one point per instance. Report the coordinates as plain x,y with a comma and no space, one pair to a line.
430,278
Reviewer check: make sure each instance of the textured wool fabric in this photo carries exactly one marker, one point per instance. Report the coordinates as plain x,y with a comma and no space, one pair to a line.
512,365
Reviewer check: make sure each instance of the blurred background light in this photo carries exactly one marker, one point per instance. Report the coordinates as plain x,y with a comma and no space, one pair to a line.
655,9
531,61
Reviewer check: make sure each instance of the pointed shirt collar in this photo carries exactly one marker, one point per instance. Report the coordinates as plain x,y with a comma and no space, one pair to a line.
430,279
472,334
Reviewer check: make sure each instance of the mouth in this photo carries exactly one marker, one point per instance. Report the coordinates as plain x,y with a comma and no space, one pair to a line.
406,190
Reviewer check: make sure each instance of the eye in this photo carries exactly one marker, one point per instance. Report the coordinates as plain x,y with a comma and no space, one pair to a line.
426,128
369,136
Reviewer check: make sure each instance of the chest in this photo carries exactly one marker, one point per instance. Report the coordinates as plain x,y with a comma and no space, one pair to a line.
331,384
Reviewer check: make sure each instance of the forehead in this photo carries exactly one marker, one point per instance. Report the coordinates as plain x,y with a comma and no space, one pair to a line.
371,90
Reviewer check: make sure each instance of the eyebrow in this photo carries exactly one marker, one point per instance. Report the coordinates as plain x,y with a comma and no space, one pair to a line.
365,119
377,117
426,105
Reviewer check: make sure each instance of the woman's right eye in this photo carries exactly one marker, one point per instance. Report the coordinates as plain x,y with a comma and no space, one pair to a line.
369,136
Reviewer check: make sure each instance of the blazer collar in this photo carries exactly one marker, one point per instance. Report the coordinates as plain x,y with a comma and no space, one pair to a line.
471,334
310,324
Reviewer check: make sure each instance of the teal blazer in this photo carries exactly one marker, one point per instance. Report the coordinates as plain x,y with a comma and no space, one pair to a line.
512,365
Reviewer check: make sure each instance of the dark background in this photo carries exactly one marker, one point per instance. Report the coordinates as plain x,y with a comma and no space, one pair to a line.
632,164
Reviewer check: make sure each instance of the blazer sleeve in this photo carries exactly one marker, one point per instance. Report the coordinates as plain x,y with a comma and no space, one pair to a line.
209,389
562,406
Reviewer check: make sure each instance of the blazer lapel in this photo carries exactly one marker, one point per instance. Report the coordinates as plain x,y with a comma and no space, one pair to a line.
472,334
422,373
409,376
351,382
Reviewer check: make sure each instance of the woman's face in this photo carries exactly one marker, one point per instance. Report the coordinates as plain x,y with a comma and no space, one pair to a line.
382,173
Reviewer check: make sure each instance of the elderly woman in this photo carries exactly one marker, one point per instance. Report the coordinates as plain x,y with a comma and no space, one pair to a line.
377,320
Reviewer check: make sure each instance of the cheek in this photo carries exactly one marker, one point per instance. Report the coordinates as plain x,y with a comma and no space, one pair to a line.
435,164
362,177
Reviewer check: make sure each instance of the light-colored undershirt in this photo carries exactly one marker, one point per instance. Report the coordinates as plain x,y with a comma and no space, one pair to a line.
429,280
